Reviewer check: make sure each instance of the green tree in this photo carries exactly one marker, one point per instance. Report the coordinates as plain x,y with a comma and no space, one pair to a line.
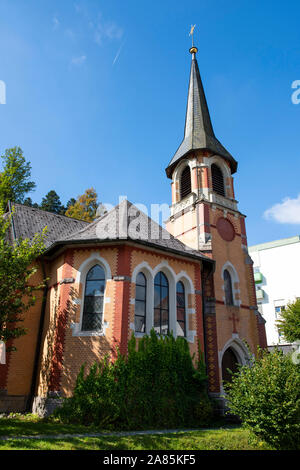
289,322
17,294
28,202
85,207
70,203
266,397
51,203
15,177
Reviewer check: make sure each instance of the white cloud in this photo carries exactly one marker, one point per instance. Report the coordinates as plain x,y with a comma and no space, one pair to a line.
55,22
285,212
101,29
70,33
78,60
106,30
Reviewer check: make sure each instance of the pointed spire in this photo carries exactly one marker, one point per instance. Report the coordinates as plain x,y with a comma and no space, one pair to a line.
198,132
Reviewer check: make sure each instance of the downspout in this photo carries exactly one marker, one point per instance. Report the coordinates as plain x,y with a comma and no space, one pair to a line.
197,208
34,379
203,279
13,229
12,220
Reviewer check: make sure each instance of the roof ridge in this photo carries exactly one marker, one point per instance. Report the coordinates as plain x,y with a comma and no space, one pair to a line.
162,242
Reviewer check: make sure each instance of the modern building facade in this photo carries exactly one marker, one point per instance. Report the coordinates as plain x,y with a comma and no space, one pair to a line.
276,274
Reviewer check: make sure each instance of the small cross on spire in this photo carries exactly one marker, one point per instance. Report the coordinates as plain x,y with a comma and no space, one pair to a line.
192,33
193,49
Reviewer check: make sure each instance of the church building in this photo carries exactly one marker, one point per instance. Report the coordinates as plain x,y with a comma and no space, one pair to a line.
124,274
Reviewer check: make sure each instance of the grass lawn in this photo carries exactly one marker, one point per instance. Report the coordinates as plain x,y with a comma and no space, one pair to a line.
217,439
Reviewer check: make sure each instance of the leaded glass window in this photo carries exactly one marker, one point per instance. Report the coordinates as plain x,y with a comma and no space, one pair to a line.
93,299
228,288
140,303
161,304
180,309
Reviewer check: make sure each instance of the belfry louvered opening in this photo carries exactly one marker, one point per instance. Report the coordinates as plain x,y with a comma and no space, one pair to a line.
217,180
185,182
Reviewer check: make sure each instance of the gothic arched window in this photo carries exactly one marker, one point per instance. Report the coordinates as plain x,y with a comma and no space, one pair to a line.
140,303
185,182
93,299
180,309
161,304
228,288
217,180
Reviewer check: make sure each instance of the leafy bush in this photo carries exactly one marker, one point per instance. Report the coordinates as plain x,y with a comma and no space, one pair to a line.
157,385
266,397
289,322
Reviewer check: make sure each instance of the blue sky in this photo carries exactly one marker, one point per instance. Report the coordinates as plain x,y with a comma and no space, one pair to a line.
96,96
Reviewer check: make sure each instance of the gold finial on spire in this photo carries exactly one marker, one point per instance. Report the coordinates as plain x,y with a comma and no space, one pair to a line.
193,49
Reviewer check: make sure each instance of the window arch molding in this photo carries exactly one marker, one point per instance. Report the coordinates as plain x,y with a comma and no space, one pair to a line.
188,290
241,352
178,173
145,269
81,278
234,281
88,264
171,277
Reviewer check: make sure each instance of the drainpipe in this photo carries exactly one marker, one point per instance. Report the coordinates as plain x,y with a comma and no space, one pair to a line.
34,378
203,279
12,220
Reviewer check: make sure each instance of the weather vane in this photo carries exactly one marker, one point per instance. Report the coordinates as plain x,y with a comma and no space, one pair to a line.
192,33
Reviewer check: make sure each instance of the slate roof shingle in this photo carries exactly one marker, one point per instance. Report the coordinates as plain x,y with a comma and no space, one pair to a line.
123,222
198,133
28,220
127,222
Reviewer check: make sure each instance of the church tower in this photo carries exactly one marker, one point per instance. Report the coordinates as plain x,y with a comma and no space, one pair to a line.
205,217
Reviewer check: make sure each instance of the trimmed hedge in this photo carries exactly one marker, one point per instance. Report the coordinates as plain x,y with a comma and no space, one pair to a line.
155,386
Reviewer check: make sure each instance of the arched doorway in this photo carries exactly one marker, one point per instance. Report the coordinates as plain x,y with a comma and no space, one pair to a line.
229,361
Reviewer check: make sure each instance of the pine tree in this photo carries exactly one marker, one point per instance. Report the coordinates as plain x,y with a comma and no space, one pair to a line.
28,202
51,202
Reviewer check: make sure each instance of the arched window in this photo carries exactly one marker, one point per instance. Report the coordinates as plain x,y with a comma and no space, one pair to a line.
161,304
185,182
217,180
140,303
228,288
180,309
93,299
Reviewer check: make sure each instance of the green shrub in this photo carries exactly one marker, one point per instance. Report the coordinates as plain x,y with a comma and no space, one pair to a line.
157,385
266,397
